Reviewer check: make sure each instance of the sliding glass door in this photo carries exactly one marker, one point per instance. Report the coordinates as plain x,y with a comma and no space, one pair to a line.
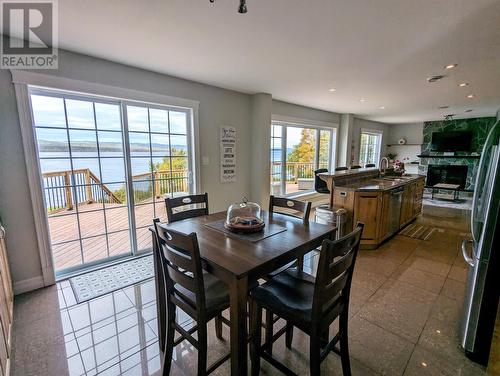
106,167
296,152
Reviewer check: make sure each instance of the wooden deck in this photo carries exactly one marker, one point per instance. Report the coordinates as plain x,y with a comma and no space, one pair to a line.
94,223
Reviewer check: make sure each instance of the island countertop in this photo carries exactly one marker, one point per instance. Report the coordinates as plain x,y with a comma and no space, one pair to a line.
380,184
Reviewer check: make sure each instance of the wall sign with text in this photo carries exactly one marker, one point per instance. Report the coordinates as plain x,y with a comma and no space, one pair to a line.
227,154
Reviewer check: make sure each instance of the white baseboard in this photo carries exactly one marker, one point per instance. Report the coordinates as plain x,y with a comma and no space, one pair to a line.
28,285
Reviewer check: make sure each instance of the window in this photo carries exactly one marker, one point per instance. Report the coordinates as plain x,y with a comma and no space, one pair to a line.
369,147
106,167
296,151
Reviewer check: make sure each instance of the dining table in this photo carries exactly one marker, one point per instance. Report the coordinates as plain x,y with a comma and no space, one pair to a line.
240,262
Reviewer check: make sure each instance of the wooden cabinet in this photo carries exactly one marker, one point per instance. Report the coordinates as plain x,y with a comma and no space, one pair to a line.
407,204
6,306
373,209
384,227
419,195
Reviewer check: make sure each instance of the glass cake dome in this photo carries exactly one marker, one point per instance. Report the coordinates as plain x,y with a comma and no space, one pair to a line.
244,216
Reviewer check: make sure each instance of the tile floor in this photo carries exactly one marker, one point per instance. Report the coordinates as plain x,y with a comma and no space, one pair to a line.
405,312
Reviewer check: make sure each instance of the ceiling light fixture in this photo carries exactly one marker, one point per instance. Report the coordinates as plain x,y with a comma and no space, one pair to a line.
332,90
381,108
470,96
242,8
362,100
435,78
450,66
470,110
443,107
463,84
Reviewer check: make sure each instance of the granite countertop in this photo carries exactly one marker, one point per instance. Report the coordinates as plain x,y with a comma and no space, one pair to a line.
381,184
349,172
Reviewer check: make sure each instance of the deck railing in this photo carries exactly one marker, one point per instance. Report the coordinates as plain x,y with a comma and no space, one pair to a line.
295,170
64,189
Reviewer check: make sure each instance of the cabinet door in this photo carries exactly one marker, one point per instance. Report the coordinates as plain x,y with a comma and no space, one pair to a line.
419,194
367,210
384,217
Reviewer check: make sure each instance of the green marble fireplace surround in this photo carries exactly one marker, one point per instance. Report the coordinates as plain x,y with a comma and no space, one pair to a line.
479,128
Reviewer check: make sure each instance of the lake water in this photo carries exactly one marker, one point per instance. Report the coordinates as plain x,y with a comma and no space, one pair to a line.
112,166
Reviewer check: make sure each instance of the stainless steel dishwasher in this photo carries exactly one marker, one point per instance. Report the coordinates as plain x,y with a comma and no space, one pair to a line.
395,208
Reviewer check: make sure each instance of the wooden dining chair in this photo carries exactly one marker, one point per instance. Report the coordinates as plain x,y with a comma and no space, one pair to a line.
295,208
179,202
311,304
187,286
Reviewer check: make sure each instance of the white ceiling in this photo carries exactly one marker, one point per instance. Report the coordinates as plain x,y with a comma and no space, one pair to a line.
380,50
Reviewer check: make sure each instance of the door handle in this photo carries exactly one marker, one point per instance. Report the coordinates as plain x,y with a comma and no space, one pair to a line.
468,259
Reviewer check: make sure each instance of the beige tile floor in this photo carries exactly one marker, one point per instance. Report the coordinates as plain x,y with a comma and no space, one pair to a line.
404,318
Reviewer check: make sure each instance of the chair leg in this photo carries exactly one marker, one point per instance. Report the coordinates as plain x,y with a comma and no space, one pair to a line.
218,326
324,338
256,336
344,345
269,331
169,342
300,263
289,335
202,348
315,354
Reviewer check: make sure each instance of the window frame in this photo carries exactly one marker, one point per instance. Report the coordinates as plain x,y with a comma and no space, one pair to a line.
285,123
373,132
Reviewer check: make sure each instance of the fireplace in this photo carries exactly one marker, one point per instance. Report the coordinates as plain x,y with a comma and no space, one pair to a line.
449,174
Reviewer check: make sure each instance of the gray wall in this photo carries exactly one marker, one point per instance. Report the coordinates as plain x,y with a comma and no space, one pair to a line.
217,107
301,112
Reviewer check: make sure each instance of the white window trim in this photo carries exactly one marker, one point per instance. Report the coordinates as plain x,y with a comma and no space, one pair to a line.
312,124
378,132
21,80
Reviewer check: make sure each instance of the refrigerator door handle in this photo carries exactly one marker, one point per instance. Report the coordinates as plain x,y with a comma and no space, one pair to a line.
468,259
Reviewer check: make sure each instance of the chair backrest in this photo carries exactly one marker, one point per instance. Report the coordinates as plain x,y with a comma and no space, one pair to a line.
334,274
340,168
294,208
319,184
181,265
177,202
355,167
370,165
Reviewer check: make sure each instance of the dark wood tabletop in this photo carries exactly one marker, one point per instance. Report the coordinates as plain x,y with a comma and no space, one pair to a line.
238,262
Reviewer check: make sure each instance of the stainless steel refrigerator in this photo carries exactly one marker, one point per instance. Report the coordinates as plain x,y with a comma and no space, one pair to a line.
482,253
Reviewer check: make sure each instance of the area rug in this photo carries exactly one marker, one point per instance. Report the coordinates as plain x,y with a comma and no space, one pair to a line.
108,279
415,231
463,202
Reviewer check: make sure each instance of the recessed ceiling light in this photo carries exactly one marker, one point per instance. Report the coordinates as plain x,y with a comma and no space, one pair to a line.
435,78
468,110
470,96
450,66
443,107
332,90
424,364
382,108
438,331
463,84
362,100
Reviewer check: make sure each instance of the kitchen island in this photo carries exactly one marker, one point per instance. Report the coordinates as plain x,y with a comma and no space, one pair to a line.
385,204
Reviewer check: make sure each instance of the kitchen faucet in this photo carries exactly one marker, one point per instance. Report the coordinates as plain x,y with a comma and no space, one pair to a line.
384,166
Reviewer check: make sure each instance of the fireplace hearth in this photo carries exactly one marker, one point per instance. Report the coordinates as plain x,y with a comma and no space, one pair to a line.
449,174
